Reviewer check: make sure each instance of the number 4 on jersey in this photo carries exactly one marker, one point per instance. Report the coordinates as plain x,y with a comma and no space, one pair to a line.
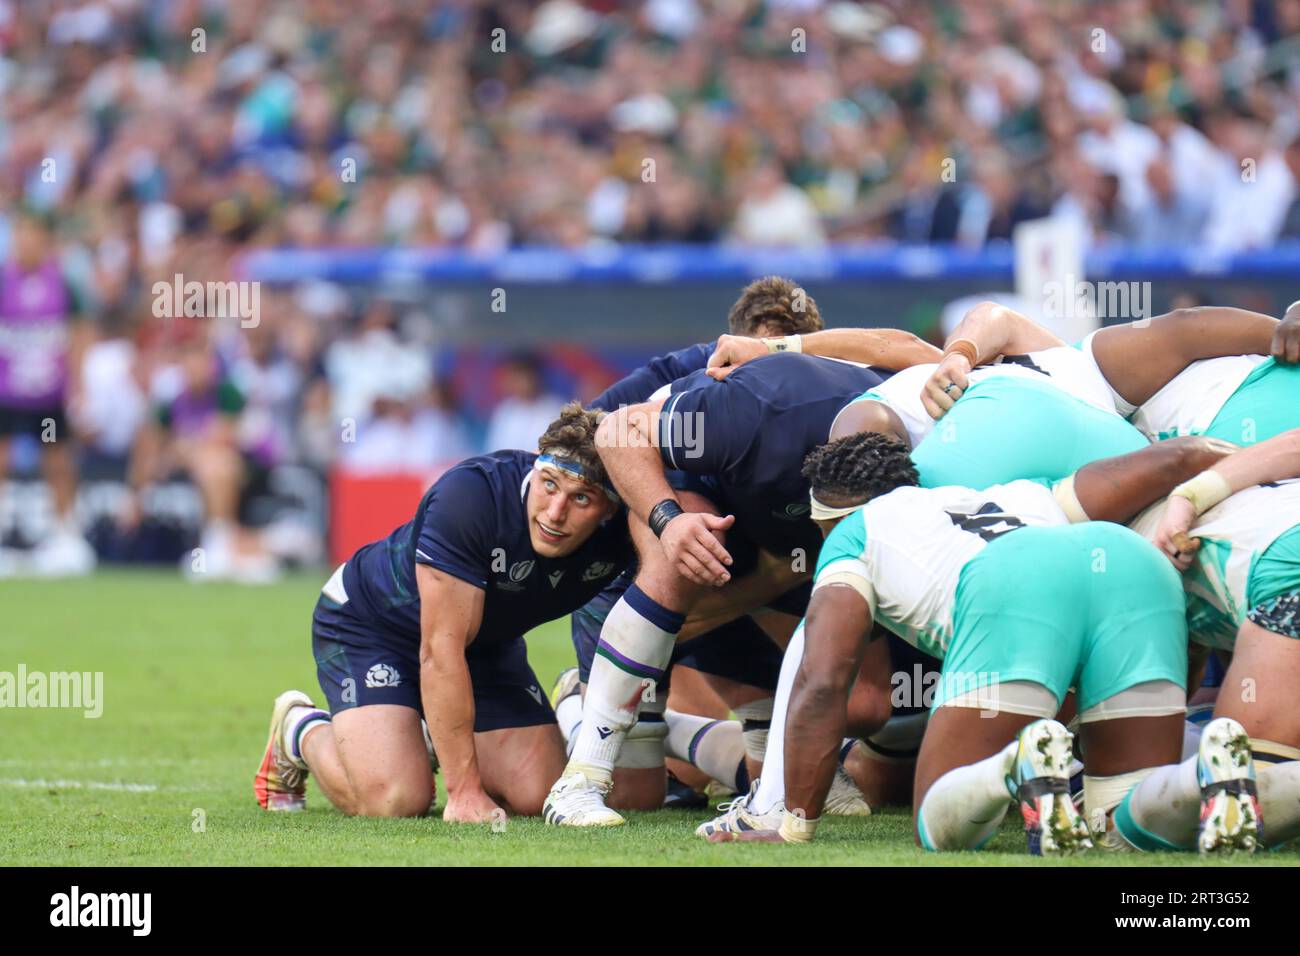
989,522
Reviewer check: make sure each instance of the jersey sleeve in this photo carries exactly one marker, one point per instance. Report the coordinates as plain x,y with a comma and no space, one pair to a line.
654,375
455,533
1123,407
709,428
843,560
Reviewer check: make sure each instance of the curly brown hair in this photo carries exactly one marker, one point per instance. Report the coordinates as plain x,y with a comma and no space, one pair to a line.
573,436
774,305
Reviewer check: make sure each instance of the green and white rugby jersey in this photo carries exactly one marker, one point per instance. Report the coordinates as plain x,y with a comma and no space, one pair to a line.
1064,367
1193,398
1228,578
904,551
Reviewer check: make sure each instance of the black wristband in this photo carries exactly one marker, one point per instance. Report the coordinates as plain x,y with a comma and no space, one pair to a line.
661,514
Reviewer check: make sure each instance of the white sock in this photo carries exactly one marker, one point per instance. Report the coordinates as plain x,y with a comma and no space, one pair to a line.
771,785
716,747
299,722
965,806
1279,800
1191,739
569,716
636,643
1163,811
755,722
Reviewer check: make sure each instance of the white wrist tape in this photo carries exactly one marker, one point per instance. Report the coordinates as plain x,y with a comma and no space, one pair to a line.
787,343
1204,491
1065,495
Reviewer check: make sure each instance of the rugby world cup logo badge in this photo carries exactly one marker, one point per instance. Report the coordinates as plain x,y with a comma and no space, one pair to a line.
520,570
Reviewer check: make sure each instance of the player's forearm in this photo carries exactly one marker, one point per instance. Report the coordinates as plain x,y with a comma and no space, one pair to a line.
631,457
448,695
814,732
1273,460
1115,489
723,605
887,348
996,330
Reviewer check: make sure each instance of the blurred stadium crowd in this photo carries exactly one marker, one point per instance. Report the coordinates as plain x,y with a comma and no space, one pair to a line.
145,138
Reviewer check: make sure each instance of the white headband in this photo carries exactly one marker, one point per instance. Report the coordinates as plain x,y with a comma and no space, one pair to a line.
821,512
574,468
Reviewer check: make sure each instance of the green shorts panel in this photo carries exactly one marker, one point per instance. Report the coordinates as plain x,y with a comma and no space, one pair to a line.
1007,428
1091,606
1266,404
1277,571
1273,588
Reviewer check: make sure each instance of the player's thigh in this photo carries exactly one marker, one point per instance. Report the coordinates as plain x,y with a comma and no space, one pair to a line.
884,783
1261,689
693,692
958,736
738,660
869,706
519,764
777,625
1126,744
382,750
639,788
883,765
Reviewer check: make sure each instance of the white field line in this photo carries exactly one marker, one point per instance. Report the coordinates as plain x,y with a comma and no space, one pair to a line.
107,762
40,783
80,785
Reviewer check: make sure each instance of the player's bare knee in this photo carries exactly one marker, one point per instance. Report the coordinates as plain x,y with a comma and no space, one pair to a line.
394,798
869,709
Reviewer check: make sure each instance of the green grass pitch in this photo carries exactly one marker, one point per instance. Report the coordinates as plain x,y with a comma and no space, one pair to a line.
164,776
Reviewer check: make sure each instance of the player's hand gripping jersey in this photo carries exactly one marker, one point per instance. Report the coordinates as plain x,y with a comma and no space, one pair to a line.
1248,565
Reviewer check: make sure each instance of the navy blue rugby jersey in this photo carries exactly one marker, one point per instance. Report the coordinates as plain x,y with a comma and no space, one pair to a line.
473,524
750,433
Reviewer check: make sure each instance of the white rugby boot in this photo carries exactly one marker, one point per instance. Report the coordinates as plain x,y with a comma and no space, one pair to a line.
574,801
736,817
1225,769
1040,780
844,798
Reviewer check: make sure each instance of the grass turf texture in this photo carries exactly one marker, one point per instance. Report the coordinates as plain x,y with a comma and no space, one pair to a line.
189,675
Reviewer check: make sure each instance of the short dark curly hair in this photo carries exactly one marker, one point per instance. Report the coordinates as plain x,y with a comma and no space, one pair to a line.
573,436
775,305
853,470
